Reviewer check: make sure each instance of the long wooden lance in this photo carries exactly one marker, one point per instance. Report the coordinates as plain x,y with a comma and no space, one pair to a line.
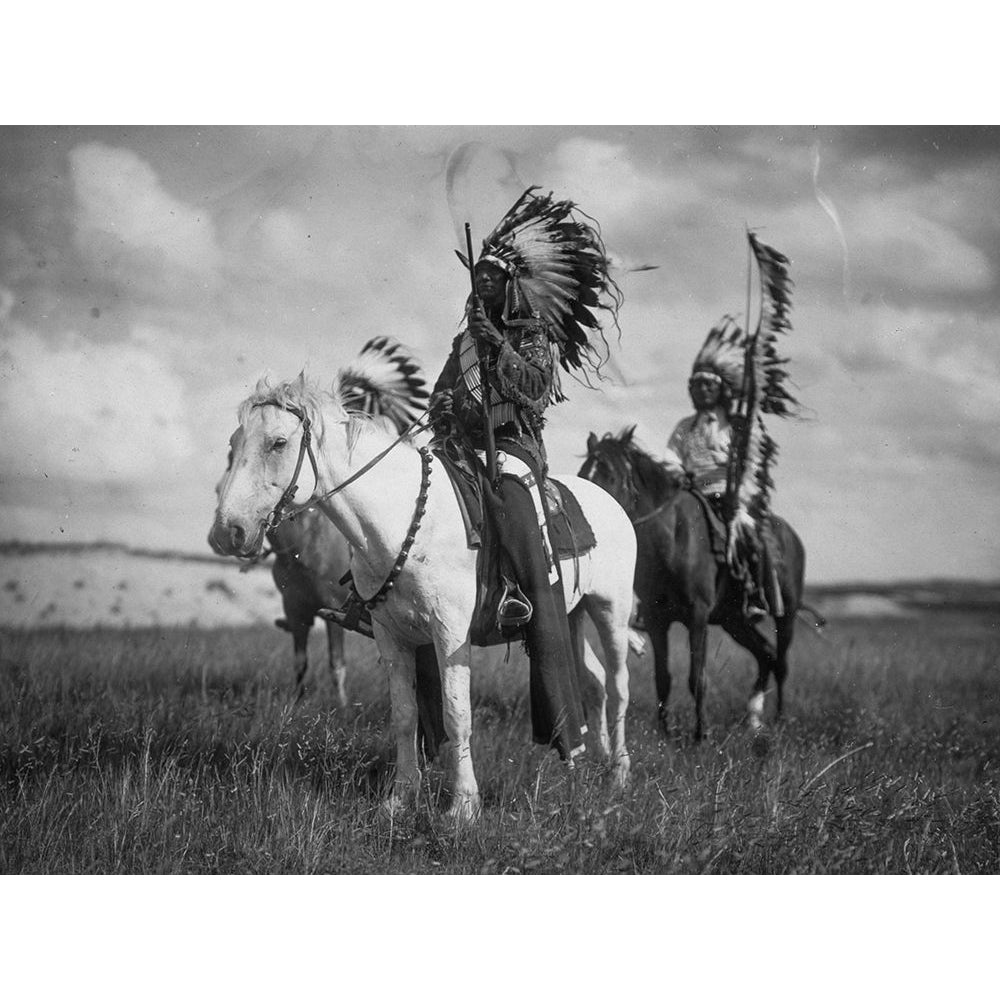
482,353
745,407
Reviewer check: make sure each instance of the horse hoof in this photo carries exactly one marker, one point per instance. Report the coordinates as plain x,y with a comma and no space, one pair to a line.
620,773
464,809
760,743
662,723
392,807
402,799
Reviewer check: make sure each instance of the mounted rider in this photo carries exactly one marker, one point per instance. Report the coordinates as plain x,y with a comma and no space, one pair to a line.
539,284
724,447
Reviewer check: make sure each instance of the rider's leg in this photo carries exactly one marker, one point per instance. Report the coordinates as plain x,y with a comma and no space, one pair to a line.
557,716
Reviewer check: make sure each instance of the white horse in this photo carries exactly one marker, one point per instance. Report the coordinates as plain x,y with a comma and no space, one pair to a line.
371,489
310,555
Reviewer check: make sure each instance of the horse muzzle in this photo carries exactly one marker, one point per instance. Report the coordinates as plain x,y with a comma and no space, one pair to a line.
233,539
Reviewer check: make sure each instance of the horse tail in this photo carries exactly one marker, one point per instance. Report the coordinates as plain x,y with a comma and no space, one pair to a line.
385,381
818,622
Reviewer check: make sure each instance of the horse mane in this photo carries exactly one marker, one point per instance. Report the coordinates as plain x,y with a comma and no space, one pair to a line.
300,393
306,395
651,476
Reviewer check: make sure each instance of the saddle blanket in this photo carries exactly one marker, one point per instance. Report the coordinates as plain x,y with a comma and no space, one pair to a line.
716,526
572,534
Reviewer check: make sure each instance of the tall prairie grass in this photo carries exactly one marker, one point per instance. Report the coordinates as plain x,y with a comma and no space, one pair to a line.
182,751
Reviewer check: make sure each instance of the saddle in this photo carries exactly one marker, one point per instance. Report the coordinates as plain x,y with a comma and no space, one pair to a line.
569,531
717,537
715,525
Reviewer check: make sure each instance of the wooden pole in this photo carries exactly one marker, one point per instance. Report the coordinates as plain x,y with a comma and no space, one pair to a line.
482,351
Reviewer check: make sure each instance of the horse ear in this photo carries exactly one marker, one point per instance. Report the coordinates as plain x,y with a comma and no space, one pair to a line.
627,434
591,443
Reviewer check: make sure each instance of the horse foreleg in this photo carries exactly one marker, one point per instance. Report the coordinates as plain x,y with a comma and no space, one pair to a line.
659,632
698,641
785,633
456,702
591,675
751,640
335,658
399,662
300,644
611,618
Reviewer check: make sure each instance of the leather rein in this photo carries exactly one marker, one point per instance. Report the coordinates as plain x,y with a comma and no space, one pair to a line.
279,513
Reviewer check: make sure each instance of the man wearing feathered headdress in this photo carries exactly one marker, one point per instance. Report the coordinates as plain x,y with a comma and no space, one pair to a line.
539,286
723,447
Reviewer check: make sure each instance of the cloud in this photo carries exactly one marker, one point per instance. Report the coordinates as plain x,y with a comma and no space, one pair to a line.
127,223
89,412
900,248
152,285
605,177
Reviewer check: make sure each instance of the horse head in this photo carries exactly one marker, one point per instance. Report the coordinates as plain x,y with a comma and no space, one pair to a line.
631,475
608,465
267,470
382,390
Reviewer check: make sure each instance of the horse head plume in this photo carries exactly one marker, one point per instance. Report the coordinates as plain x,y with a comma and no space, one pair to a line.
383,380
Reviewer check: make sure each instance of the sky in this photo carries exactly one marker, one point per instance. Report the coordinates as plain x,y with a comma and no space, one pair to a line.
150,275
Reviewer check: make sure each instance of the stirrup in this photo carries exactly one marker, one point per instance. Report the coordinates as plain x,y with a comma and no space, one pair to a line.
351,615
515,609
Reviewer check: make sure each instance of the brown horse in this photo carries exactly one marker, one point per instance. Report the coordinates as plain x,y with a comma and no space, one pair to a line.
678,577
310,557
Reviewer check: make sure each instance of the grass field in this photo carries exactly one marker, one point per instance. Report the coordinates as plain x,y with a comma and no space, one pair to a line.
177,750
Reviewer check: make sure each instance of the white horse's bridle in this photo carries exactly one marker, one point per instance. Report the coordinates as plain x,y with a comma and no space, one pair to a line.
279,513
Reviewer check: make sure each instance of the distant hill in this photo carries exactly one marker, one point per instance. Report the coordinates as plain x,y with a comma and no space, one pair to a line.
106,584
16,548
81,585
917,595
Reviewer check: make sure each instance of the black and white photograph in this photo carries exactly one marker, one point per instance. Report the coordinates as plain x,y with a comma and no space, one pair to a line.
468,500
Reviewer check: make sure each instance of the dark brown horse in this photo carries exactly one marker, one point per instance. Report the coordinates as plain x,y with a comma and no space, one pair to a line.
679,578
310,557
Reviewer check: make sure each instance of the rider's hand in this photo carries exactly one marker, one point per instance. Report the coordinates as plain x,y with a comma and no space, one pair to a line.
482,328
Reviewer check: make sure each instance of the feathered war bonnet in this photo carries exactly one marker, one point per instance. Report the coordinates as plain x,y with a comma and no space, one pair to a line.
722,354
558,272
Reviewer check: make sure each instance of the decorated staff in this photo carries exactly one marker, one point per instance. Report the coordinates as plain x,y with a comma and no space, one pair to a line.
482,351
753,451
724,447
540,288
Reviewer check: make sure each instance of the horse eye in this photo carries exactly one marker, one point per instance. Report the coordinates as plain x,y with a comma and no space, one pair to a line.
279,443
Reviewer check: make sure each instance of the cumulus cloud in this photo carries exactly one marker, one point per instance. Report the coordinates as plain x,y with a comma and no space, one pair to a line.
900,247
126,220
606,174
317,241
89,412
